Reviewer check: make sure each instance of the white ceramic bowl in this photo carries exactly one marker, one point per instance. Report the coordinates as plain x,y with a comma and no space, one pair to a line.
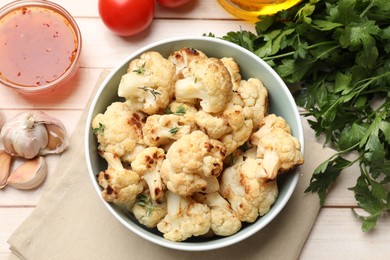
281,103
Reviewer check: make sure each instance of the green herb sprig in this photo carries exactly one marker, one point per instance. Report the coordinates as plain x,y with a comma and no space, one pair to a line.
338,53
140,70
100,129
151,91
180,110
174,130
145,202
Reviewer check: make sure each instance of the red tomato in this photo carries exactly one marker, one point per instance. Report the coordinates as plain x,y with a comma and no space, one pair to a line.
126,17
172,3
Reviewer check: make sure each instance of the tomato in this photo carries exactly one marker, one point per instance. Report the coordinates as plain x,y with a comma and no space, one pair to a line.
172,3
126,17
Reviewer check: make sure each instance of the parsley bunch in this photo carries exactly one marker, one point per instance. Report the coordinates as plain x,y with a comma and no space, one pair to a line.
338,54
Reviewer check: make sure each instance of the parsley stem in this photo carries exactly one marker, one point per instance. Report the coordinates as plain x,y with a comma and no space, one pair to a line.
366,10
316,45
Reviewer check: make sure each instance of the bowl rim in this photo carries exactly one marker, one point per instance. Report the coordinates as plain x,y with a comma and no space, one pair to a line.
49,5
192,246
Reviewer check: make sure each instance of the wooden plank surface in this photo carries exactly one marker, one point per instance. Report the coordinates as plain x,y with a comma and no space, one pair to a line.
336,234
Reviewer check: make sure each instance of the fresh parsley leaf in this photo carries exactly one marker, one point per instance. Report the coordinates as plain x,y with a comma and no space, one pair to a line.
325,175
351,135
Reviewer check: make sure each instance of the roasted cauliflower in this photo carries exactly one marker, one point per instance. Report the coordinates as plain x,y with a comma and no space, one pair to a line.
148,164
147,211
192,149
206,80
234,71
269,193
240,186
214,126
190,161
267,125
255,97
224,221
148,84
120,186
164,129
230,126
184,57
240,128
279,150
119,131
185,218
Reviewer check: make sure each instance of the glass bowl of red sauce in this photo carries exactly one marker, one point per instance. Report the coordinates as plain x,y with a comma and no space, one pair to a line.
40,45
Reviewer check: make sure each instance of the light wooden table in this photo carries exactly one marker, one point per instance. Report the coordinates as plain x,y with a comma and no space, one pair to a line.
336,233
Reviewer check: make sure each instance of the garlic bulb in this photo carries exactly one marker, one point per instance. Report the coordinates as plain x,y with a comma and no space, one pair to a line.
28,175
29,134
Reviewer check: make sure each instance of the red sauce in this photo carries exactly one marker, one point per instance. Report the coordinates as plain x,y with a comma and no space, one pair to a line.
37,45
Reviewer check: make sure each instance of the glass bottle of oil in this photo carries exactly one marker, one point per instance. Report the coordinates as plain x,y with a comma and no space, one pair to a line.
251,9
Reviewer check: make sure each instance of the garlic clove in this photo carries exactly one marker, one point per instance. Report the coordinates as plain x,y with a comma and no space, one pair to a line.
29,174
2,119
58,139
5,167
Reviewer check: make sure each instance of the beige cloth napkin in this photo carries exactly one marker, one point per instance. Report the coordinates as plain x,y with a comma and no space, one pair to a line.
70,222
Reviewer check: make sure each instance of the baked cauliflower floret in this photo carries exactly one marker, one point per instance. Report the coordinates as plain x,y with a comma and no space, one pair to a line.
230,126
120,186
240,128
190,161
268,124
147,164
119,130
185,218
206,80
277,147
183,57
147,211
240,186
234,71
280,152
224,221
164,129
214,126
255,97
149,83
269,193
